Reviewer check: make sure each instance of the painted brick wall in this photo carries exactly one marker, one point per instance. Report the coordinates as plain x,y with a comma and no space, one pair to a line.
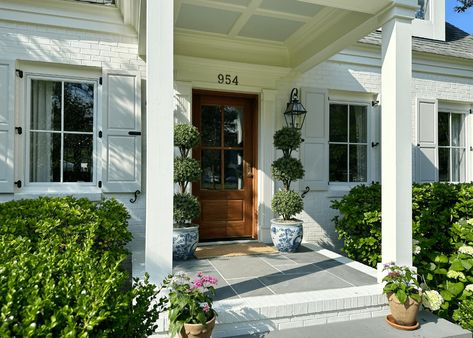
107,51
356,78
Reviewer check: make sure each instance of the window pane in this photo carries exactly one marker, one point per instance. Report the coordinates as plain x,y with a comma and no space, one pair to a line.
211,160
45,105
358,124
458,157
338,163
444,164
233,126
78,159
78,107
211,126
338,123
443,129
233,169
457,135
358,163
45,157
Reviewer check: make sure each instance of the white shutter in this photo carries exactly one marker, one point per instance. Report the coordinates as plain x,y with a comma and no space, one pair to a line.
376,144
426,153
314,149
121,122
7,95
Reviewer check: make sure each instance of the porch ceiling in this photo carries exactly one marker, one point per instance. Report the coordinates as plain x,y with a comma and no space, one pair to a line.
286,33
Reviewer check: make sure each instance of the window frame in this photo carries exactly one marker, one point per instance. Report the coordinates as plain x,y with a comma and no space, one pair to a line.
62,75
369,148
442,109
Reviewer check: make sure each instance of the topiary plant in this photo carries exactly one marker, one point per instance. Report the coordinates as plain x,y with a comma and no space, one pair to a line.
186,170
287,203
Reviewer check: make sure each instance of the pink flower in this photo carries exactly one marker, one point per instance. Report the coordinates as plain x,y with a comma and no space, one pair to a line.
205,307
209,279
197,283
199,274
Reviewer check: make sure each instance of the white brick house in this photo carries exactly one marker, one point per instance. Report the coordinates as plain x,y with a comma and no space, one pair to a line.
140,66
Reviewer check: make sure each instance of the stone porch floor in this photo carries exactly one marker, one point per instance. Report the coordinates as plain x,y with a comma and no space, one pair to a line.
309,269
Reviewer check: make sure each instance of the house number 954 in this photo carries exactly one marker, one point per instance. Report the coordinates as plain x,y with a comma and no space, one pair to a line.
227,79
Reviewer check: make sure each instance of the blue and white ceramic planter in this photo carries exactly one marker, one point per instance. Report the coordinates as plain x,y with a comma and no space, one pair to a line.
286,235
184,242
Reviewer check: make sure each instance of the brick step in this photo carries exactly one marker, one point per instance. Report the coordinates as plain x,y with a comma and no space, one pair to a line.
294,310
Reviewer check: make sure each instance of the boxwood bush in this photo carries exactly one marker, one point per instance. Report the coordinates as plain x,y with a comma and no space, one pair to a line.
442,222
61,271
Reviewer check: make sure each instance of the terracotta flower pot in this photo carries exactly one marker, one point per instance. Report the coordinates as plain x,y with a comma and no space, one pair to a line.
404,314
198,330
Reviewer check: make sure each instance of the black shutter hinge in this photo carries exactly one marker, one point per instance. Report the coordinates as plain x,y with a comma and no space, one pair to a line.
100,184
100,80
19,130
19,73
18,184
100,134
471,111
374,103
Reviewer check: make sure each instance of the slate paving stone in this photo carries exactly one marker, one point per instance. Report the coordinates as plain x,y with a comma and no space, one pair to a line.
298,269
320,280
351,275
241,267
249,287
277,259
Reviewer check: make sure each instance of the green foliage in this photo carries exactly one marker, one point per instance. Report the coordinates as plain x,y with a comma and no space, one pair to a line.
186,170
186,137
287,139
287,170
188,302
360,223
464,314
401,281
463,5
287,203
61,271
186,208
442,219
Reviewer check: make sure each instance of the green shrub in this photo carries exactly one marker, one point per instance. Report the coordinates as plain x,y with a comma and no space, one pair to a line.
464,314
186,208
186,170
287,203
186,137
442,222
287,170
61,271
287,139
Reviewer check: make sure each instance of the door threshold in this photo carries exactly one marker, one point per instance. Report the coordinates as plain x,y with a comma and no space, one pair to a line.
237,241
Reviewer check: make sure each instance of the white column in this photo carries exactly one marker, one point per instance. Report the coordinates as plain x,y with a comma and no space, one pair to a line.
267,122
159,139
396,129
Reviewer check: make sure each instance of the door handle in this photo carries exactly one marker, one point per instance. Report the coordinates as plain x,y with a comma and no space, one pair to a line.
134,133
249,169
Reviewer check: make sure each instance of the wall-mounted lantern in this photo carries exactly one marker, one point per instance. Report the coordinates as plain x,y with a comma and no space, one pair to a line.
295,111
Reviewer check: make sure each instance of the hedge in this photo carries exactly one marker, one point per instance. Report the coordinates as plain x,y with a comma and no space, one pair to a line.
442,222
61,271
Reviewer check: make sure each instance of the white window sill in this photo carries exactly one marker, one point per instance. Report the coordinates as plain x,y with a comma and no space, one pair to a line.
90,192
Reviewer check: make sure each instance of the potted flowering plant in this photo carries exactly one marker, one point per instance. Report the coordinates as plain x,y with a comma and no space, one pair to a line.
405,295
189,304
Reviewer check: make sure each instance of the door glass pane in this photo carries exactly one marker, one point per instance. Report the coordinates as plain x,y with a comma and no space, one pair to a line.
444,164
233,169
45,157
338,163
45,105
78,107
358,124
444,130
338,123
458,157
211,169
358,163
211,126
77,163
457,138
233,126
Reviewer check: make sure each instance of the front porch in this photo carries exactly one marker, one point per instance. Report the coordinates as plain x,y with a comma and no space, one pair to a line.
274,292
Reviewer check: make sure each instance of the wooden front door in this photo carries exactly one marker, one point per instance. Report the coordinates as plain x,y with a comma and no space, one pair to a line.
226,155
